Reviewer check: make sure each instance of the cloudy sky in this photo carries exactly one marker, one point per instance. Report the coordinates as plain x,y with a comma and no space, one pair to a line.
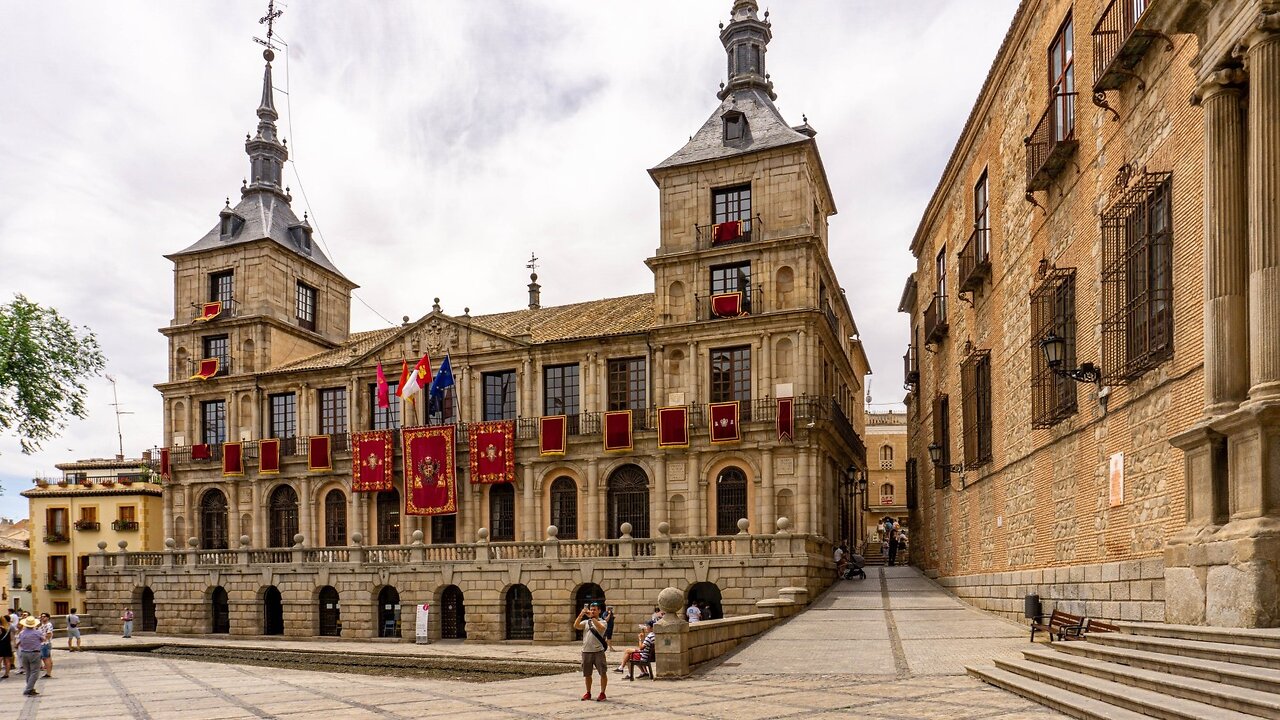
436,145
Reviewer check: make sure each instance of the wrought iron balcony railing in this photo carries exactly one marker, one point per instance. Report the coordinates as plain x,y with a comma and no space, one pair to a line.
911,367
1052,141
935,319
706,234
975,260
1119,42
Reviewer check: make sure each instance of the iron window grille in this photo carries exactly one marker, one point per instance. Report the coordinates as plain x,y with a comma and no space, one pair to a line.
499,395
1053,310
628,500
213,521
213,421
444,529
283,517
388,510
975,380
502,512
942,436
519,613
306,306
564,507
731,500
335,518
1137,280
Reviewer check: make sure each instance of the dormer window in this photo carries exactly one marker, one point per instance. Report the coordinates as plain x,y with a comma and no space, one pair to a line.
300,234
230,224
735,125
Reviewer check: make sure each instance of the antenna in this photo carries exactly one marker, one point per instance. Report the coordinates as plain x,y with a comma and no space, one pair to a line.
533,262
270,21
119,412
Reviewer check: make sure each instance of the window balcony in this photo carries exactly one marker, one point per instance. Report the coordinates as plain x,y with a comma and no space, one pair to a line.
122,525
935,319
708,239
16,583
56,536
88,525
911,367
57,584
707,309
1119,42
975,260
1052,142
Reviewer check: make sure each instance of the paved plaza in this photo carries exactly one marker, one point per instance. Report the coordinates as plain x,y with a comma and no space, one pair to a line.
893,645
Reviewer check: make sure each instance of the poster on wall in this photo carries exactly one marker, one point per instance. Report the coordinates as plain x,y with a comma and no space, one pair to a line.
420,629
1116,475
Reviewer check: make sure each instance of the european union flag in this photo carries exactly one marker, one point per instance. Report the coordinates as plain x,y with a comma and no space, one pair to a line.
442,380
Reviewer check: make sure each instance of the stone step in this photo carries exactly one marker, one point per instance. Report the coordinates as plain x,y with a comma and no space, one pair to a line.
1052,696
1246,676
1221,652
1119,695
1261,637
1216,694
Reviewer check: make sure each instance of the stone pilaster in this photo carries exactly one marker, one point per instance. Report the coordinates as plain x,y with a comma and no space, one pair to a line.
1263,63
660,500
528,515
768,512
593,500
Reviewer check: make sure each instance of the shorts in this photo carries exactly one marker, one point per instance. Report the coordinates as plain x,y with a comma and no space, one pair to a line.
73,633
594,660
46,651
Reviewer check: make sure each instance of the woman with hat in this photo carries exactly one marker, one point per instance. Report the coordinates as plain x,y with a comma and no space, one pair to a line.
30,639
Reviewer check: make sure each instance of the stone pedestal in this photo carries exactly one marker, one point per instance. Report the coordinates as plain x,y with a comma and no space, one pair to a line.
671,643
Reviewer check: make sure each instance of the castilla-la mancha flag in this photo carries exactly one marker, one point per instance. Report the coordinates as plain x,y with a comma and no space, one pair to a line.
415,380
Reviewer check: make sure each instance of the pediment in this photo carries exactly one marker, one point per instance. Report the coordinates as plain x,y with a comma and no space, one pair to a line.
437,335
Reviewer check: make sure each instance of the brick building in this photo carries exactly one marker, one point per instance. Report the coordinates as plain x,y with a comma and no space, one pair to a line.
746,311
1094,213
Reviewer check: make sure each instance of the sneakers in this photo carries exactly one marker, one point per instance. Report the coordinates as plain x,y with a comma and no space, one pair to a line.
617,669
600,697
33,692
586,696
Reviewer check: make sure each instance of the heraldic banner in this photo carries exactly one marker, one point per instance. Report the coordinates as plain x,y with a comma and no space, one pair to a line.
724,422
492,451
617,430
551,434
269,456
232,459
786,418
372,457
673,427
431,486
319,453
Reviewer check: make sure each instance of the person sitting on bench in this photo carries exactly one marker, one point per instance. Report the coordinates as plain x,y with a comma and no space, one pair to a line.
641,655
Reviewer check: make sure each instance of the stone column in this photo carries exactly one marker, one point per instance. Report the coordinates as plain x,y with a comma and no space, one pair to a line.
168,514
693,472
660,502
352,516
233,510
1263,63
658,376
593,500
767,381
767,511
189,512
258,536
530,523
806,362
524,401
306,511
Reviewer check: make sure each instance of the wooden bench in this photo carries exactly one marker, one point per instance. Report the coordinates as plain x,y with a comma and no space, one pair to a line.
1099,626
1062,625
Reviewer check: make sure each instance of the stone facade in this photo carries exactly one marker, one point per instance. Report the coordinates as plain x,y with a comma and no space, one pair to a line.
744,208
887,457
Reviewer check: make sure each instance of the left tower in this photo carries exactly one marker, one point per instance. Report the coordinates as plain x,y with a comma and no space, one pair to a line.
280,298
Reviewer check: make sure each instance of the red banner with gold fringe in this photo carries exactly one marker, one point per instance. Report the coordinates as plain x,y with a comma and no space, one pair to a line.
617,430
372,459
673,427
201,452
552,435
492,457
726,232
727,305
164,463
319,457
208,368
430,483
786,418
209,311
269,456
724,422
232,459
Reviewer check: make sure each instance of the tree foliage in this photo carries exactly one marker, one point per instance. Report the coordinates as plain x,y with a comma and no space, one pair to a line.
44,363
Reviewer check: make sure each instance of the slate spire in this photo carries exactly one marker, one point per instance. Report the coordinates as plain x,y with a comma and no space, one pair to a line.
267,154
746,39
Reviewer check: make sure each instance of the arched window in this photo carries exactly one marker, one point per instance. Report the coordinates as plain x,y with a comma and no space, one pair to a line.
886,457
213,520
886,490
731,500
564,507
272,612
628,501
335,518
502,512
453,614
388,612
519,613
221,611
283,520
389,517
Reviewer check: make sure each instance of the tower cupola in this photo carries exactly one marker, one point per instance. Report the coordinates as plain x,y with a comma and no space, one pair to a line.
746,40
267,154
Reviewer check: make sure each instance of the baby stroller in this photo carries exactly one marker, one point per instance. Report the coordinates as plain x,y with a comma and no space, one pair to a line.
853,568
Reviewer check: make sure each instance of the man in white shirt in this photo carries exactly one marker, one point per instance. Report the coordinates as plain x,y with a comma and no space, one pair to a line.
593,647
694,613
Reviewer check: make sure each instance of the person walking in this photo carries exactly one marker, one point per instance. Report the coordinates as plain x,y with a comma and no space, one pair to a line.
127,621
593,645
73,631
893,544
29,641
46,648
6,645
608,618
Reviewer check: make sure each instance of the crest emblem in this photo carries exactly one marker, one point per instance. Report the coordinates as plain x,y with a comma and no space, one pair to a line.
429,470
372,462
491,452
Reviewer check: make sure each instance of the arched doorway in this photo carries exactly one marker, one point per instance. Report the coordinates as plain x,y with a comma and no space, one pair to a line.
564,507
283,516
330,613
388,612
221,611
148,610
519,616
587,594
629,501
502,512
213,520
272,612
453,614
709,593
731,500
335,518
389,517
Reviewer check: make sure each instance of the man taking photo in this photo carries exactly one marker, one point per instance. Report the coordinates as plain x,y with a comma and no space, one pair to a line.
593,646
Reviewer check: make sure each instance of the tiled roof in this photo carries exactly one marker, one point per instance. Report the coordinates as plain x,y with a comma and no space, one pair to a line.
610,316
765,129
357,344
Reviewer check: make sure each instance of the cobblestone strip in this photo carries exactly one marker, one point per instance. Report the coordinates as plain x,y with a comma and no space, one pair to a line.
900,666
328,696
135,708
220,693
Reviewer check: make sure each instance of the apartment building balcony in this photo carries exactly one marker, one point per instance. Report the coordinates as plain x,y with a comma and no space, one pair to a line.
911,367
124,525
716,235
56,536
935,319
1119,42
975,260
1052,142
88,525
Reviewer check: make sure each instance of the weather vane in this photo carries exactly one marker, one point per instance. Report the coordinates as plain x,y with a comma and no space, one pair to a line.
270,21
533,262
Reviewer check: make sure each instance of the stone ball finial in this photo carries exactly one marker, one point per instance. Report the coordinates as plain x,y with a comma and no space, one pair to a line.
664,528
170,543
193,543
417,537
482,534
743,524
122,544
297,539
357,538
553,532
671,600
784,524
626,529
102,545
244,541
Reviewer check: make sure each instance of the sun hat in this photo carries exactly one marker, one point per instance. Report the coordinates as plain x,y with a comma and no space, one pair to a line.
29,622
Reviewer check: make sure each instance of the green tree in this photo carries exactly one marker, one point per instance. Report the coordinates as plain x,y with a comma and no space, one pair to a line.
44,363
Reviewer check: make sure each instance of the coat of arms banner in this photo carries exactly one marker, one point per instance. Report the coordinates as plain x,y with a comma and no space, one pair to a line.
724,422
372,457
430,483
492,451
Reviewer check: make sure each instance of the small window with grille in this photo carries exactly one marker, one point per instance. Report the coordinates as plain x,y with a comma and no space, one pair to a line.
975,381
306,306
1053,310
942,436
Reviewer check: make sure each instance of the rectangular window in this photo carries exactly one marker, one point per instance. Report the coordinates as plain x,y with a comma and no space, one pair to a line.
284,415
940,270
942,436
975,381
218,346
213,422
731,377
1062,83
126,514
982,219
499,395
333,411
89,513
1053,310
627,389
387,418
733,278
560,390
1137,280
82,572
306,306
56,521
58,571
222,289
444,529
732,204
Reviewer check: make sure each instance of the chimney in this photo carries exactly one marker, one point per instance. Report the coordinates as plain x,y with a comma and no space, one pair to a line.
535,292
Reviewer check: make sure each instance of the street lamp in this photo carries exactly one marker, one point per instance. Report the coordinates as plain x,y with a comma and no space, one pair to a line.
1055,354
935,455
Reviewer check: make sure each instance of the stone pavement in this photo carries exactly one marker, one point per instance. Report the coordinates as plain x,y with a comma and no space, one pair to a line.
891,646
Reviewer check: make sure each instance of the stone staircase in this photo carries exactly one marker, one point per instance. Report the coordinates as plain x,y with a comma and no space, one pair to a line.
1150,670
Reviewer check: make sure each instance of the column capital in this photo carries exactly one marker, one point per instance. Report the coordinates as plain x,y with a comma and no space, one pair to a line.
1218,81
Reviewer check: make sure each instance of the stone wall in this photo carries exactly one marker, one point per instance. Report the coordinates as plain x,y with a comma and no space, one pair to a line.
710,639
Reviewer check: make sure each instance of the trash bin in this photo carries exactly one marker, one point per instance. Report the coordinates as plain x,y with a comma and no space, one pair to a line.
1031,606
